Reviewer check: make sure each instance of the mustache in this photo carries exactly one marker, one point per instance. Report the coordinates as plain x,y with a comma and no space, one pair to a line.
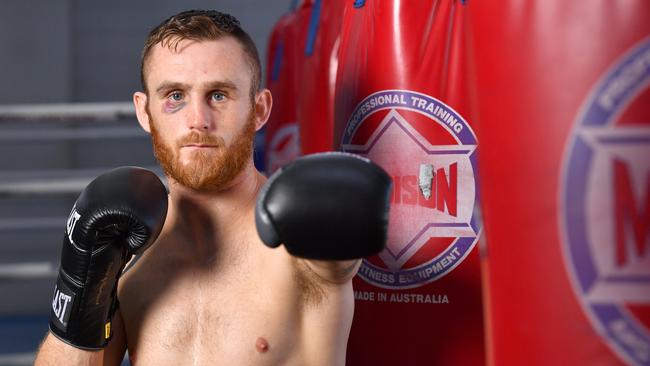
200,138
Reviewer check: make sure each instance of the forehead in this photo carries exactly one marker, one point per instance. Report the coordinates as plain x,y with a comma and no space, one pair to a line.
197,61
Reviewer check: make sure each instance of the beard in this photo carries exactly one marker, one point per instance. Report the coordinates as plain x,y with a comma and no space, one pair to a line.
212,169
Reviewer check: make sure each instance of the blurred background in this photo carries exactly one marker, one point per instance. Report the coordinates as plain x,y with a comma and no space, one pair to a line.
552,101
68,69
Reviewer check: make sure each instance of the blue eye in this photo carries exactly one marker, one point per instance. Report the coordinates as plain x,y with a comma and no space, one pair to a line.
218,97
176,96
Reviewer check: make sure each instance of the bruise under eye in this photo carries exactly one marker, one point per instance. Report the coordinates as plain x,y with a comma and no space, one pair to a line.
171,107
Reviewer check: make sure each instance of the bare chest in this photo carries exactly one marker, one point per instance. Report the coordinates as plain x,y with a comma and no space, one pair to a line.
208,316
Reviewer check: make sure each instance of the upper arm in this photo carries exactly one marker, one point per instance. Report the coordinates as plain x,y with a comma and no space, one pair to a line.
333,272
114,351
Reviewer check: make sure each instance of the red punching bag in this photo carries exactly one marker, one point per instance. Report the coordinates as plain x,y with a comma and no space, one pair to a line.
402,100
282,136
563,91
318,66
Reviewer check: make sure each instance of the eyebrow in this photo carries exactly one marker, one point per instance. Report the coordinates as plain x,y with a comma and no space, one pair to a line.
211,85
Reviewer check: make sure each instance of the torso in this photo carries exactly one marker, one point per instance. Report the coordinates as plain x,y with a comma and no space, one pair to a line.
224,308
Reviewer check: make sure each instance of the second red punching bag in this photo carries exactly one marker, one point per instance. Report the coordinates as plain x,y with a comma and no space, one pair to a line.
318,66
282,136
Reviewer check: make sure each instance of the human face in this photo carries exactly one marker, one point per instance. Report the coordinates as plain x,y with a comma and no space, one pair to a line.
199,112
205,171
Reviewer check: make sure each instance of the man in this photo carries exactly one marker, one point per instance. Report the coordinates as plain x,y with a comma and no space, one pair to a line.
209,292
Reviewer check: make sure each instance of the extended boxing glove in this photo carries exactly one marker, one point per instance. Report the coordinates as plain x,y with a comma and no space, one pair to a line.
119,214
329,206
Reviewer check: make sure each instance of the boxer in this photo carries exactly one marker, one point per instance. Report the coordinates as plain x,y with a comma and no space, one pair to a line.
213,287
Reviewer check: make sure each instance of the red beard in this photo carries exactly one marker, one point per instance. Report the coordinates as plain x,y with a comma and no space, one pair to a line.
210,170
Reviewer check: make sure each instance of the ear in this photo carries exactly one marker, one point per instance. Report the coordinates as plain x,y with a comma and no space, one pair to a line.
140,102
263,105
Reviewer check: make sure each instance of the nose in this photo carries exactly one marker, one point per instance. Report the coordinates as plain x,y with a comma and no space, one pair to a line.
201,117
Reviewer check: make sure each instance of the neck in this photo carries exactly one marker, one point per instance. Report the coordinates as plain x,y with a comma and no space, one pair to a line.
207,220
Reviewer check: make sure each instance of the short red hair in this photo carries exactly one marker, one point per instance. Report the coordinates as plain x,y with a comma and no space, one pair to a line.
201,25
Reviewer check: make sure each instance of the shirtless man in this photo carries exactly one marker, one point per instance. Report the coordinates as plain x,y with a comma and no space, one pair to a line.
209,291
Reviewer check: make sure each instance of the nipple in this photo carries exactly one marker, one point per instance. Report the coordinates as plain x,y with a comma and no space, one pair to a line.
262,345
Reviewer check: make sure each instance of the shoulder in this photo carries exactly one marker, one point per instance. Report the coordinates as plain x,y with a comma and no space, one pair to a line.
143,273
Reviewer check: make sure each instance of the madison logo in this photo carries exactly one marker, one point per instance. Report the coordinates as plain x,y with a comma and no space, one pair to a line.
430,152
605,206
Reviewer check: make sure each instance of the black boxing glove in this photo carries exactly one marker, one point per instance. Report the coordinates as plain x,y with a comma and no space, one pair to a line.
119,214
329,206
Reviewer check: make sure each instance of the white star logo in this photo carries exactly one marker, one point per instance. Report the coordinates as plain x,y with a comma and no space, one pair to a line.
434,187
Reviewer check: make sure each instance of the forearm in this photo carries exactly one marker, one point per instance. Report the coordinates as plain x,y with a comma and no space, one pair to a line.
119,214
55,352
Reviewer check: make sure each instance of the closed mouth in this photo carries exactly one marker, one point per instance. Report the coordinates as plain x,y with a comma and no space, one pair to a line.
199,145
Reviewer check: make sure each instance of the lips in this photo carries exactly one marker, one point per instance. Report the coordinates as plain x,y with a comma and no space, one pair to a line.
200,140
200,145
